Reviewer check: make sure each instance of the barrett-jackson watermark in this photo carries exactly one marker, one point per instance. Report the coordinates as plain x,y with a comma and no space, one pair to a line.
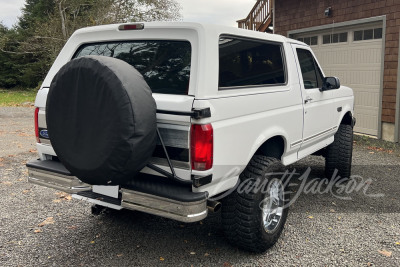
336,186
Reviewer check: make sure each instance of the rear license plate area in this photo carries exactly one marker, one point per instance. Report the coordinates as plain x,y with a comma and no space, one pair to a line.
107,190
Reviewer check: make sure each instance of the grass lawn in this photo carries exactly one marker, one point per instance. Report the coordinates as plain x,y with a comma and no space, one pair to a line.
16,98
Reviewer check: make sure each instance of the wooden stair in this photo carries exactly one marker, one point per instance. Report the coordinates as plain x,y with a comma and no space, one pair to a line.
259,18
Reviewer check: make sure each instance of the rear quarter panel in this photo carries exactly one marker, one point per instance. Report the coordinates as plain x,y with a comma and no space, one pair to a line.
243,119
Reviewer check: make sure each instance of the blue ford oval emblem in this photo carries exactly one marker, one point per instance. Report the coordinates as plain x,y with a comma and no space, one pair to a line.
44,133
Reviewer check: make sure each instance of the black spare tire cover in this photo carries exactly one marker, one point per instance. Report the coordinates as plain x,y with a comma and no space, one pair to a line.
101,119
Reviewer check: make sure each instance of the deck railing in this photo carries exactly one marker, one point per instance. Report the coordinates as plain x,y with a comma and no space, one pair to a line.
259,18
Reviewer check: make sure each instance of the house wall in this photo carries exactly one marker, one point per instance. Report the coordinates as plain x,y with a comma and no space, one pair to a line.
299,14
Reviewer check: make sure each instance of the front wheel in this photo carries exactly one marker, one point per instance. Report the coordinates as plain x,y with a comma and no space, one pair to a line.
339,153
253,216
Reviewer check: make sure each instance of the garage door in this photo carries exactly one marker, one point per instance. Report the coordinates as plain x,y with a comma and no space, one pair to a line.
354,55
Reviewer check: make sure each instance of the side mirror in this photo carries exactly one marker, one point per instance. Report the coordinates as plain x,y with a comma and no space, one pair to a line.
330,83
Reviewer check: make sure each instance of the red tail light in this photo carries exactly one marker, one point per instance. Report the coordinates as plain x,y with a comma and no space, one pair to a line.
37,125
201,146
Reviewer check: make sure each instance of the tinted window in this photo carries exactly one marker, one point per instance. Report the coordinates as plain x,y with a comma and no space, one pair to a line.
358,35
314,40
307,40
165,65
312,76
343,37
368,34
245,62
326,39
378,33
335,38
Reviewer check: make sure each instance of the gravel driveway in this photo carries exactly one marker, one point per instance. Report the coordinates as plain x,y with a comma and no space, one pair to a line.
40,226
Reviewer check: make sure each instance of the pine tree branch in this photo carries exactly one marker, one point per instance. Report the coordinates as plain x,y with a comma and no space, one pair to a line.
16,53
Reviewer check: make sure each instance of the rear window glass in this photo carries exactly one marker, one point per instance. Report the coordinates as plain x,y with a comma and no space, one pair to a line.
165,65
248,62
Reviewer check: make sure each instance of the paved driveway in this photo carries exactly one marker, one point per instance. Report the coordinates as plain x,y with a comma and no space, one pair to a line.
40,226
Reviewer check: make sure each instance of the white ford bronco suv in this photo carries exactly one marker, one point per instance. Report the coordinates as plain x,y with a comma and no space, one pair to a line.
172,118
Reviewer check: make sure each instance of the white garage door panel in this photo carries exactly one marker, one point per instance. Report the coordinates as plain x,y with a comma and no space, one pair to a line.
368,121
358,65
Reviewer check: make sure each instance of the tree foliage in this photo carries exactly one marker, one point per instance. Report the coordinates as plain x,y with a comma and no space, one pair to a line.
28,49
35,11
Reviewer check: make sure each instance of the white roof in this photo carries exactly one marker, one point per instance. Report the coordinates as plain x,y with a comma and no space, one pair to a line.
186,25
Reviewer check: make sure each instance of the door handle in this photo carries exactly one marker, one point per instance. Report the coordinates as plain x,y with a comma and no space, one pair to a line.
308,99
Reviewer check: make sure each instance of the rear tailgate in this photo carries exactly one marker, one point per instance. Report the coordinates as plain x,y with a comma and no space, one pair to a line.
174,129
175,132
168,60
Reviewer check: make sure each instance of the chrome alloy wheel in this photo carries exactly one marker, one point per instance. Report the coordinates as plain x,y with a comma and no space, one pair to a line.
272,206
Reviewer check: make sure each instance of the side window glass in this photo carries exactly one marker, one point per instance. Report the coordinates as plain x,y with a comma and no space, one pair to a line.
250,63
312,75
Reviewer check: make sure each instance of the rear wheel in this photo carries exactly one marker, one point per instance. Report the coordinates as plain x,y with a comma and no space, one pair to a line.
339,153
253,216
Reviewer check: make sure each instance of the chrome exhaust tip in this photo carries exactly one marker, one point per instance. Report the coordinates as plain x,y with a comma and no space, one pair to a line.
213,206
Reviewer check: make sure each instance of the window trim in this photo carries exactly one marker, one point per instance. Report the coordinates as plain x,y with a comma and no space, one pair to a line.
282,49
308,36
368,29
338,35
317,68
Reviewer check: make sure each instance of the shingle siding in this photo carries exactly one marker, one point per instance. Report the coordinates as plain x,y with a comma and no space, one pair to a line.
298,14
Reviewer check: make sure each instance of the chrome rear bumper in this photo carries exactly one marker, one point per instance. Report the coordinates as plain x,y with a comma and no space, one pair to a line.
165,199
164,207
66,183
